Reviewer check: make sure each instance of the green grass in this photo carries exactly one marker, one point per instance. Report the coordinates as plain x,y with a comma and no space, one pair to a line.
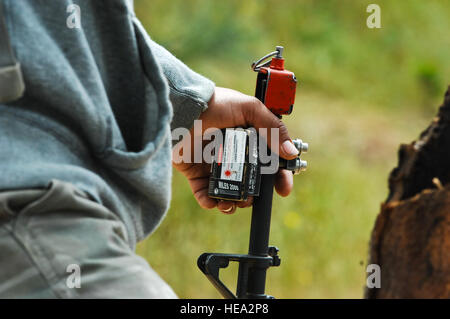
362,93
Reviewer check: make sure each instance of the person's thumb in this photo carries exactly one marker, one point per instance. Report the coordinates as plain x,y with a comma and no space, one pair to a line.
256,114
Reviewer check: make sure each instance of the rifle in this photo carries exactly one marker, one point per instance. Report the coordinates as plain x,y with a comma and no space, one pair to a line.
275,87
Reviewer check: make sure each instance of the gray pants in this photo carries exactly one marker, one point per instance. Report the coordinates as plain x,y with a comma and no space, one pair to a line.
57,243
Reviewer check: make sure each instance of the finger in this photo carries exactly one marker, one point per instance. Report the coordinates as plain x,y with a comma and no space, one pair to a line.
245,203
199,187
204,200
226,207
284,182
258,115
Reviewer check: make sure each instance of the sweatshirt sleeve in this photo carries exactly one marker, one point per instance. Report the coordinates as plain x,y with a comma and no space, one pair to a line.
190,92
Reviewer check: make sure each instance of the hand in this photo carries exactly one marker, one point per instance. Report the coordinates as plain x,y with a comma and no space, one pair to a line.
226,109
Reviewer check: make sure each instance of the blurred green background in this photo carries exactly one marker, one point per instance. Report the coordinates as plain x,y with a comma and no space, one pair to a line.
362,92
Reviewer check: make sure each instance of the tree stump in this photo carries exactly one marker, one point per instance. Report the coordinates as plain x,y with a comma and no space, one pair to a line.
411,238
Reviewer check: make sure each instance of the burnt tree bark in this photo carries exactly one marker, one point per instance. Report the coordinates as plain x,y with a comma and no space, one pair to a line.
411,238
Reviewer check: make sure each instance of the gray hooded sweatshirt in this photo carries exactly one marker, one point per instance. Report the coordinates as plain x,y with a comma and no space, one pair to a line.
98,109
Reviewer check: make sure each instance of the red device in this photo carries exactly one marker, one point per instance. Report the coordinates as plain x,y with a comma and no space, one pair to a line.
275,86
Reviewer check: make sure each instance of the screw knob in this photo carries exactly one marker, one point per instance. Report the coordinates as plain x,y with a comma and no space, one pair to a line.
280,49
300,166
300,145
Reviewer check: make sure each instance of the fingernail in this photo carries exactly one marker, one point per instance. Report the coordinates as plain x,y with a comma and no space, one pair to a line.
289,148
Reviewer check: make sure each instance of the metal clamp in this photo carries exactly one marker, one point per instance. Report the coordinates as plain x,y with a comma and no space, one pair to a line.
210,264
